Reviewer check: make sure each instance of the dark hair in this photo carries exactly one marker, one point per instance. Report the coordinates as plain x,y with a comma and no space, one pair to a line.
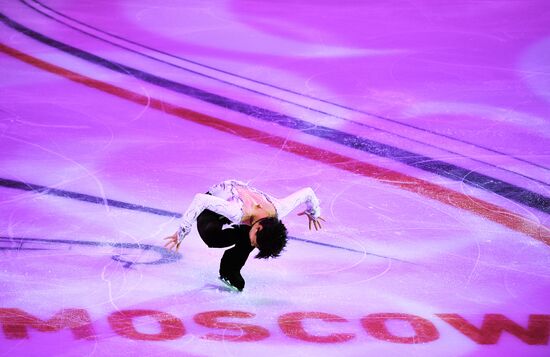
271,239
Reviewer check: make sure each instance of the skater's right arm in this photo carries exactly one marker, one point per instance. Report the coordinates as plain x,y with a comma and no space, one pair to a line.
304,196
230,209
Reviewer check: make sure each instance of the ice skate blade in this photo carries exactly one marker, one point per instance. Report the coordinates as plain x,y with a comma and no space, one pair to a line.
228,284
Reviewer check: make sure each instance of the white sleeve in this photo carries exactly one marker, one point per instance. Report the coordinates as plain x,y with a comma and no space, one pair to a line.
231,210
289,203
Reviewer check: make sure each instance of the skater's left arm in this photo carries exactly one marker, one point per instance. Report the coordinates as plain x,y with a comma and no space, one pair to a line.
304,196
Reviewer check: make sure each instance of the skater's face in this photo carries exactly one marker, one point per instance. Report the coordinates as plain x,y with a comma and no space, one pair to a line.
256,227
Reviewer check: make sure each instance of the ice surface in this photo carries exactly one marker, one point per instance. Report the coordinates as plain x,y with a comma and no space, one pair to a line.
422,126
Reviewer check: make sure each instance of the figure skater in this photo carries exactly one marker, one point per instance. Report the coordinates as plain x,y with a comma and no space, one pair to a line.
235,214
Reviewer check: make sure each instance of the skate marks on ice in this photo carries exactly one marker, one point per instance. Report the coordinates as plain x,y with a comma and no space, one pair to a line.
454,172
145,254
166,256
26,186
263,88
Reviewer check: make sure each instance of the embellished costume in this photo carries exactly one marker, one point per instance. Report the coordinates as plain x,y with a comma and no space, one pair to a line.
219,215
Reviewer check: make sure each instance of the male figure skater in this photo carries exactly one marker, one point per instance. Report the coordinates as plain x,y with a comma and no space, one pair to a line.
234,214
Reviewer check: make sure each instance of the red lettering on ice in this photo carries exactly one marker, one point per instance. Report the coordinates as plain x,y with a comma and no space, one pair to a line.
122,322
376,325
536,333
246,332
15,323
292,326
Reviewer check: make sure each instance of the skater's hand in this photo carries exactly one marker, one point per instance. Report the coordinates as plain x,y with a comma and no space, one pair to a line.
173,242
316,221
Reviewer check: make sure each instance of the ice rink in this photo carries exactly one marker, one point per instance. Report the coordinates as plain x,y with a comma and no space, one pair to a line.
423,127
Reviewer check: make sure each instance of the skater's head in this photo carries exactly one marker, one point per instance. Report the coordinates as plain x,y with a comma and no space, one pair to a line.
269,235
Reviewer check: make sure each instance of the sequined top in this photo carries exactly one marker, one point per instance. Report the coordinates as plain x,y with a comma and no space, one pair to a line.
224,199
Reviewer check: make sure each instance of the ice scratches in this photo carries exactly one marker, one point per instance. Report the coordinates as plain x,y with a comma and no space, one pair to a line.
379,275
52,126
476,263
539,262
525,212
144,91
164,256
15,119
45,190
506,267
80,114
234,82
85,169
37,190
109,286
348,249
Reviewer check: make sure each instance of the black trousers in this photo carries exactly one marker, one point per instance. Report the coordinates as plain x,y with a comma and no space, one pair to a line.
210,226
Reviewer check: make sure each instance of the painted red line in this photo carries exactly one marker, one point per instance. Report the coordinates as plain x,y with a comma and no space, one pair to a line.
424,188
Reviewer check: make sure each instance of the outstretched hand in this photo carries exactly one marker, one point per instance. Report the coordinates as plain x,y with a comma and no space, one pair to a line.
312,220
172,242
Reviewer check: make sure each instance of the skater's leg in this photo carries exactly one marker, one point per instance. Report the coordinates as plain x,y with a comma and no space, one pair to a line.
232,262
210,227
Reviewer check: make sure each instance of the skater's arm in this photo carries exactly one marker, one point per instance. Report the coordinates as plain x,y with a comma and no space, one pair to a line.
231,210
306,196
288,204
